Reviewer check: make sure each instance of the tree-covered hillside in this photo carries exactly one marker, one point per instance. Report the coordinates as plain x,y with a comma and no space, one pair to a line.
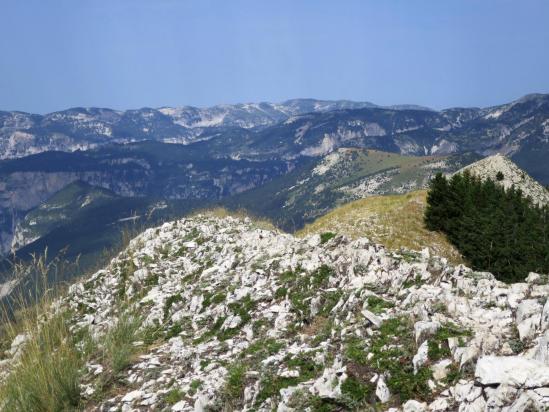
495,229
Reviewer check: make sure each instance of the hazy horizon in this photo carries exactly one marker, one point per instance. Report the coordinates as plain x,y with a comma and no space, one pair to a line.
267,101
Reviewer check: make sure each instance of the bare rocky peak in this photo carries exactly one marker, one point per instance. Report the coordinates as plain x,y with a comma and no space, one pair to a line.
253,319
513,176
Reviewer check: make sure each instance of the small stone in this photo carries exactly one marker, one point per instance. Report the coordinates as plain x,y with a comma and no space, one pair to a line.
374,320
421,357
440,369
132,396
382,391
424,330
414,406
439,405
179,406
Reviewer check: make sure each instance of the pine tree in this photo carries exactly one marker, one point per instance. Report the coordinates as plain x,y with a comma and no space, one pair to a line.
495,230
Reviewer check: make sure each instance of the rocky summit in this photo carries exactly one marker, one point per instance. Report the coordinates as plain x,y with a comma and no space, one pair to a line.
237,317
502,170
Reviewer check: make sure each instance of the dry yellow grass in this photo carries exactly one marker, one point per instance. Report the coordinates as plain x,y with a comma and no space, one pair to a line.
395,221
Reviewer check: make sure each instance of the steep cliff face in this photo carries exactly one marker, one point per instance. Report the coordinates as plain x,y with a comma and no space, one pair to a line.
240,317
144,169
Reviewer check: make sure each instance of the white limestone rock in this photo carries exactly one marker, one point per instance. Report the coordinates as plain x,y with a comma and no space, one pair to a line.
421,357
513,371
414,406
382,391
237,260
424,330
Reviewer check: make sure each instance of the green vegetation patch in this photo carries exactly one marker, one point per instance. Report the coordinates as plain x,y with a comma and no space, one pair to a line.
261,349
126,270
271,384
235,382
438,344
47,377
169,302
355,392
388,353
393,349
118,347
377,304
174,396
301,287
326,236
243,308
213,299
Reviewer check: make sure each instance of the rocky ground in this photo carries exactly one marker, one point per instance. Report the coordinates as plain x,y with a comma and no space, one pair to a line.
241,318
512,176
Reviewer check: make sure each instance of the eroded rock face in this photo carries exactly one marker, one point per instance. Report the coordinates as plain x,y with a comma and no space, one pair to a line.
304,324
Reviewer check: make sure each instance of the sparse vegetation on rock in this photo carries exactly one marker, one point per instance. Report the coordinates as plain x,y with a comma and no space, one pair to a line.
252,319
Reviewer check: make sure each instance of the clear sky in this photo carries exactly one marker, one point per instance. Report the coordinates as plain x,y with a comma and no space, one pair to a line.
56,54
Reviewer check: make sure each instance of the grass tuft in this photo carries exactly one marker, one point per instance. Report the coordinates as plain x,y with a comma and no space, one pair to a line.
118,343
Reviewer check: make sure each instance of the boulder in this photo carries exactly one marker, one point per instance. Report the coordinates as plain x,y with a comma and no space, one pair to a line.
514,371
541,353
545,316
527,308
424,330
414,406
329,384
440,369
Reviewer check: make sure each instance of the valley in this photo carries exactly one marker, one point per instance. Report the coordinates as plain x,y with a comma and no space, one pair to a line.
274,206
289,162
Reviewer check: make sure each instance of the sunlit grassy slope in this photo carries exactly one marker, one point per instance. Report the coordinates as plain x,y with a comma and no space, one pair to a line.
319,185
395,221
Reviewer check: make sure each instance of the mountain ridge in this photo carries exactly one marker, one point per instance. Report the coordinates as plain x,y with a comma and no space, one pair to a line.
244,128
217,313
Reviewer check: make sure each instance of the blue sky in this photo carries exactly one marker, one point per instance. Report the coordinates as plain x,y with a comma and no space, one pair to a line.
124,54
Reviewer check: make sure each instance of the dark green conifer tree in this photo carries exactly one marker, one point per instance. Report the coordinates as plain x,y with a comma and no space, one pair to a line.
495,230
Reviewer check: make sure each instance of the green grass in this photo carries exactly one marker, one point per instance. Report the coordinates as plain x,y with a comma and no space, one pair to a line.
377,304
47,377
174,396
235,382
438,345
169,302
326,236
301,286
356,350
393,349
118,343
355,392
395,221
52,362
262,348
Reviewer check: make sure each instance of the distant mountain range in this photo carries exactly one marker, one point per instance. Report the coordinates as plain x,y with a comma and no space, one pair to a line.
266,157
78,128
300,127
